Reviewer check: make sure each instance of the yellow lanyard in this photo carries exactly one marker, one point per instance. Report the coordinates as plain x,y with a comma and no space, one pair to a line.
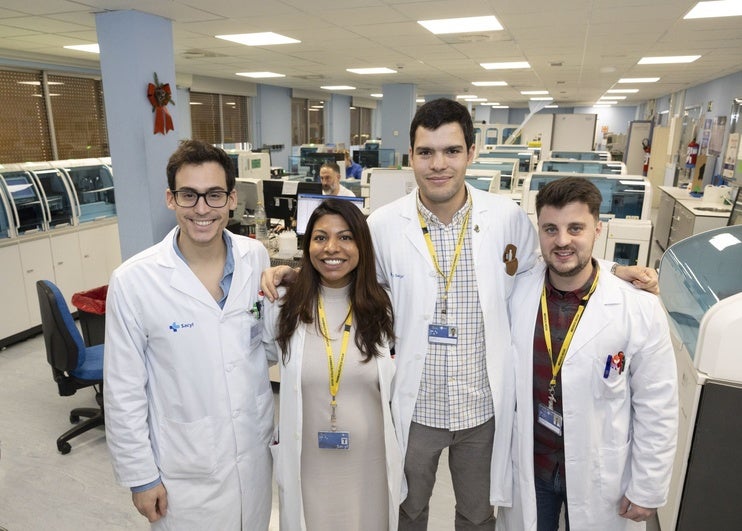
556,367
334,374
456,254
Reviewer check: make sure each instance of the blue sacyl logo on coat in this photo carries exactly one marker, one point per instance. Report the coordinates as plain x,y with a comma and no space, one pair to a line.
177,326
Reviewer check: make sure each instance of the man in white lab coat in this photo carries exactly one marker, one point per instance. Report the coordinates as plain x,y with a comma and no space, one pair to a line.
450,254
596,423
189,406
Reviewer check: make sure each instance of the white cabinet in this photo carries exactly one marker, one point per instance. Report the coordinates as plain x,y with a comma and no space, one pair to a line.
101,253
13,312
36,260
67,263
681,216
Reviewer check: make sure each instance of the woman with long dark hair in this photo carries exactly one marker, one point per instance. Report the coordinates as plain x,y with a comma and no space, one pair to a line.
337,461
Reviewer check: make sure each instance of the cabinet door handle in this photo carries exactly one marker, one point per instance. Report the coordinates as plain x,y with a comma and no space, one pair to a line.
60,263
28,271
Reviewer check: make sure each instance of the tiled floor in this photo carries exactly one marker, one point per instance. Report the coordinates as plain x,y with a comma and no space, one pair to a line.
42,489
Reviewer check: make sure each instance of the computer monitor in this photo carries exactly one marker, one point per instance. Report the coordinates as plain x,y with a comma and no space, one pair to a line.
376,158
279,198
314,161
306,203
248,192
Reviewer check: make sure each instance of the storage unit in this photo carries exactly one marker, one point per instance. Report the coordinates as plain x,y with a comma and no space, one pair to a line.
680,216
701,290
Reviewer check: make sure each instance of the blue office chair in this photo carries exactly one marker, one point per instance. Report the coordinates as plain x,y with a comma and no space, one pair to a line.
74,365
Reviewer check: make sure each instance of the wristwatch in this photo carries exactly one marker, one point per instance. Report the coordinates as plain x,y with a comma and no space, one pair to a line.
613,268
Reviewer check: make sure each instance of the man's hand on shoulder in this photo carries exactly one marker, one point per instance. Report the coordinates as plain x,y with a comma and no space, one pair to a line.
641,277
273,277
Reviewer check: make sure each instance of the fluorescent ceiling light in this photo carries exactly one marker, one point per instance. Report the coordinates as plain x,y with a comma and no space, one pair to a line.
258,39
622,91
477,99
489,83
377,95
500,106
551,106
365,71
316,106
541,98
493,103
533,92
607,102
638,80
338,87
313,110
728,8
420,100
613,97
668,60
461,25
512,65
601,105
465,96
259,75
90,48
196,103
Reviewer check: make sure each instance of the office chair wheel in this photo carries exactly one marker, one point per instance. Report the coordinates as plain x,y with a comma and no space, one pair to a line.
74,419
64,447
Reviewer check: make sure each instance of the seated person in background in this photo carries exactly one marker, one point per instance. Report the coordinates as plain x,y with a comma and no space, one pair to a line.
352,169
330,335
329,176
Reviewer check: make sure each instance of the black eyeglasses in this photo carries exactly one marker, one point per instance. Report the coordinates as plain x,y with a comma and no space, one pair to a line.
189,198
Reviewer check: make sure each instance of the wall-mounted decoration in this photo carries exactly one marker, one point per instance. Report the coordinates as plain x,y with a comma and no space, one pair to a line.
159,96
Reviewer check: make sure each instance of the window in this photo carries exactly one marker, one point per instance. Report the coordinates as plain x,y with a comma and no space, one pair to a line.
307,121
219,118
79,117
76,115
360,125
24,135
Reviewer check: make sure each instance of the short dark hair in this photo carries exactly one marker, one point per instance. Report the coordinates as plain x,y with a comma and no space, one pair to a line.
197,152
561,192
334,166
373,316
436,113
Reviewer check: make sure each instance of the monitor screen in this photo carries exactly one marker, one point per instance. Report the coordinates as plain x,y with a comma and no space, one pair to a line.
248,191
306,203
314,161
279,198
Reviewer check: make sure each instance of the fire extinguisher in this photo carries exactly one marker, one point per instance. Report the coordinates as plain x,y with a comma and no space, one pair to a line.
647,150
692,154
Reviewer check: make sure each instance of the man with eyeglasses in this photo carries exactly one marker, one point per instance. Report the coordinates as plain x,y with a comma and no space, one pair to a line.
189,406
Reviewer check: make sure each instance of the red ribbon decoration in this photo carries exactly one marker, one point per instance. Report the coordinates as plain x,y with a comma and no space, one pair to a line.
159,96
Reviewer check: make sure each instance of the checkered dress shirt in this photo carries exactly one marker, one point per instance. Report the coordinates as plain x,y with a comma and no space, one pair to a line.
454,390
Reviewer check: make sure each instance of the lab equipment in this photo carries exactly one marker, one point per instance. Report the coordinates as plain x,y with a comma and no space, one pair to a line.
261,227
701,290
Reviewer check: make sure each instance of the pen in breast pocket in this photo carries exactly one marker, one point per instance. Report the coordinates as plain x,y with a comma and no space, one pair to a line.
607,370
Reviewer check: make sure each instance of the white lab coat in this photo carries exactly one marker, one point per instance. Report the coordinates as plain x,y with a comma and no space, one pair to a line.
405,266
619,432
287,453
186,389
